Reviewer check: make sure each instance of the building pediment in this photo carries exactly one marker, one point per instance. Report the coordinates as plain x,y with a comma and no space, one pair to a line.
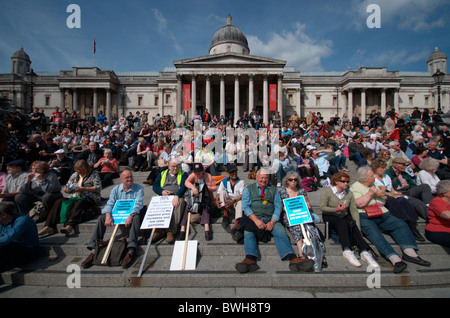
229,59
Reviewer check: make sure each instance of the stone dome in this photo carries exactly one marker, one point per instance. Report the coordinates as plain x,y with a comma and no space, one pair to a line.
229,35
21,55
437,55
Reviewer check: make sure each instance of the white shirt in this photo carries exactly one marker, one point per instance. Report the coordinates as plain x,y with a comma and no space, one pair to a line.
424,177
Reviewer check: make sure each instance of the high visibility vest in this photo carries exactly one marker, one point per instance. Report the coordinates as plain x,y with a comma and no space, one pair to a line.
164,176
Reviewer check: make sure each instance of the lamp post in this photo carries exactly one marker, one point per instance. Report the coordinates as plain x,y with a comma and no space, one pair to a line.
32,80
438,78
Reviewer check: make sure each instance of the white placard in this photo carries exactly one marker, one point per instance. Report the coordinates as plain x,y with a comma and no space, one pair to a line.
177,256
159,213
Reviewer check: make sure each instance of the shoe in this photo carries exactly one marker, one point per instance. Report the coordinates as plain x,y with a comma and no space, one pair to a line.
351,258
399,267
89,261
247,265
226,223
301,265
68,230
148,182
416,260
182,236
208,235
157,236
170,237
367,257
127,260
46,231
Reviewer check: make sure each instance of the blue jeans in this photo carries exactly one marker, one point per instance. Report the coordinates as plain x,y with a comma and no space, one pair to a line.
397,228
282,242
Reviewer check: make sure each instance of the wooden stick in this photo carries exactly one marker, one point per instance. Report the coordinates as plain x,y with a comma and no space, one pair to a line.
146,252
110,244
186,240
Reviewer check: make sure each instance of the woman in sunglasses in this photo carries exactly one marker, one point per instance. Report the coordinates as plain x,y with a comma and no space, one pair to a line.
339,210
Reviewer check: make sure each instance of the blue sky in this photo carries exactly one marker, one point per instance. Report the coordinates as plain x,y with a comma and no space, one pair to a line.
138,35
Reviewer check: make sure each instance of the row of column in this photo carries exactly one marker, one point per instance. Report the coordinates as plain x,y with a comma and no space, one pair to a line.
95,102
251,101
363,102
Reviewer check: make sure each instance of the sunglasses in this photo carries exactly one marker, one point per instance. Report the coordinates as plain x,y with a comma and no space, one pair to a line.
344,181
292,180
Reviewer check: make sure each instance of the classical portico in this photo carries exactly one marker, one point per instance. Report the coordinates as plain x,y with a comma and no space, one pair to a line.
228,84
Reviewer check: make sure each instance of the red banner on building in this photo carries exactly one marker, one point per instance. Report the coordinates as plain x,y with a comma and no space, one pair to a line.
187,97
273,97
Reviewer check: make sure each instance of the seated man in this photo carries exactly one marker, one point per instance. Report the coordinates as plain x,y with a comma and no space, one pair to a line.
19,241
262,206
282,165
229,196
15,178
171,182
127,190
418,195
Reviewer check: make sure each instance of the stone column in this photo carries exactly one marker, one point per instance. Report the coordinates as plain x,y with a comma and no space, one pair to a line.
62,98
208,93
383,101
108,106
161,101
350,104
75,99
363,104
95,106
193,94
265,100
396,101
251,93
298,107
280,97
236,97
222,95
179,103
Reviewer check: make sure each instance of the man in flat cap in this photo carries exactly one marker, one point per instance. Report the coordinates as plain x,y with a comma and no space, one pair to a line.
16,176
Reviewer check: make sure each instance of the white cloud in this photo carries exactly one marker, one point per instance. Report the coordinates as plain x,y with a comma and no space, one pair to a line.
388,58
415,15
164,30
295,47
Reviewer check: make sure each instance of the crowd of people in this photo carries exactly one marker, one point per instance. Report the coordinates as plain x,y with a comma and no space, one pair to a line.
54,169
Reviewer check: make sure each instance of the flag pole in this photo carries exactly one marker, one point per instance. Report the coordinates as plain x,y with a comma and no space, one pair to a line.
94,50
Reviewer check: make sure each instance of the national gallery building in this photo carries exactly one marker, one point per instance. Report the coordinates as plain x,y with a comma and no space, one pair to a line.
227,82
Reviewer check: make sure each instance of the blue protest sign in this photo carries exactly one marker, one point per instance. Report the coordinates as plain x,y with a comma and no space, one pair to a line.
297,211
122,209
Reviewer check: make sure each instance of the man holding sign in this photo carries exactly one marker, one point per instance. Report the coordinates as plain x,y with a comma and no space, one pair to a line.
170,182
262,205
127,190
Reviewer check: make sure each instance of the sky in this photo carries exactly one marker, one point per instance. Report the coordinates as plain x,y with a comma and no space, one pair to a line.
148,36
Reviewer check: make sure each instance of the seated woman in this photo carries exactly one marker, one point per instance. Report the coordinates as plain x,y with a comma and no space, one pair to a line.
84,184
306,166
40,185
199,176
396,203
109,168
438,227
427,173
365,197
339,210
421,154
386,156
291,187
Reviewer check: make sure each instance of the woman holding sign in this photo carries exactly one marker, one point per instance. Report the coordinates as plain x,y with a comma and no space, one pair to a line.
339,210
291,187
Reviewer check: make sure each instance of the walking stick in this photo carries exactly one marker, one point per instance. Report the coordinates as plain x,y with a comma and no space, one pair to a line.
183,263
110,244
146,252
